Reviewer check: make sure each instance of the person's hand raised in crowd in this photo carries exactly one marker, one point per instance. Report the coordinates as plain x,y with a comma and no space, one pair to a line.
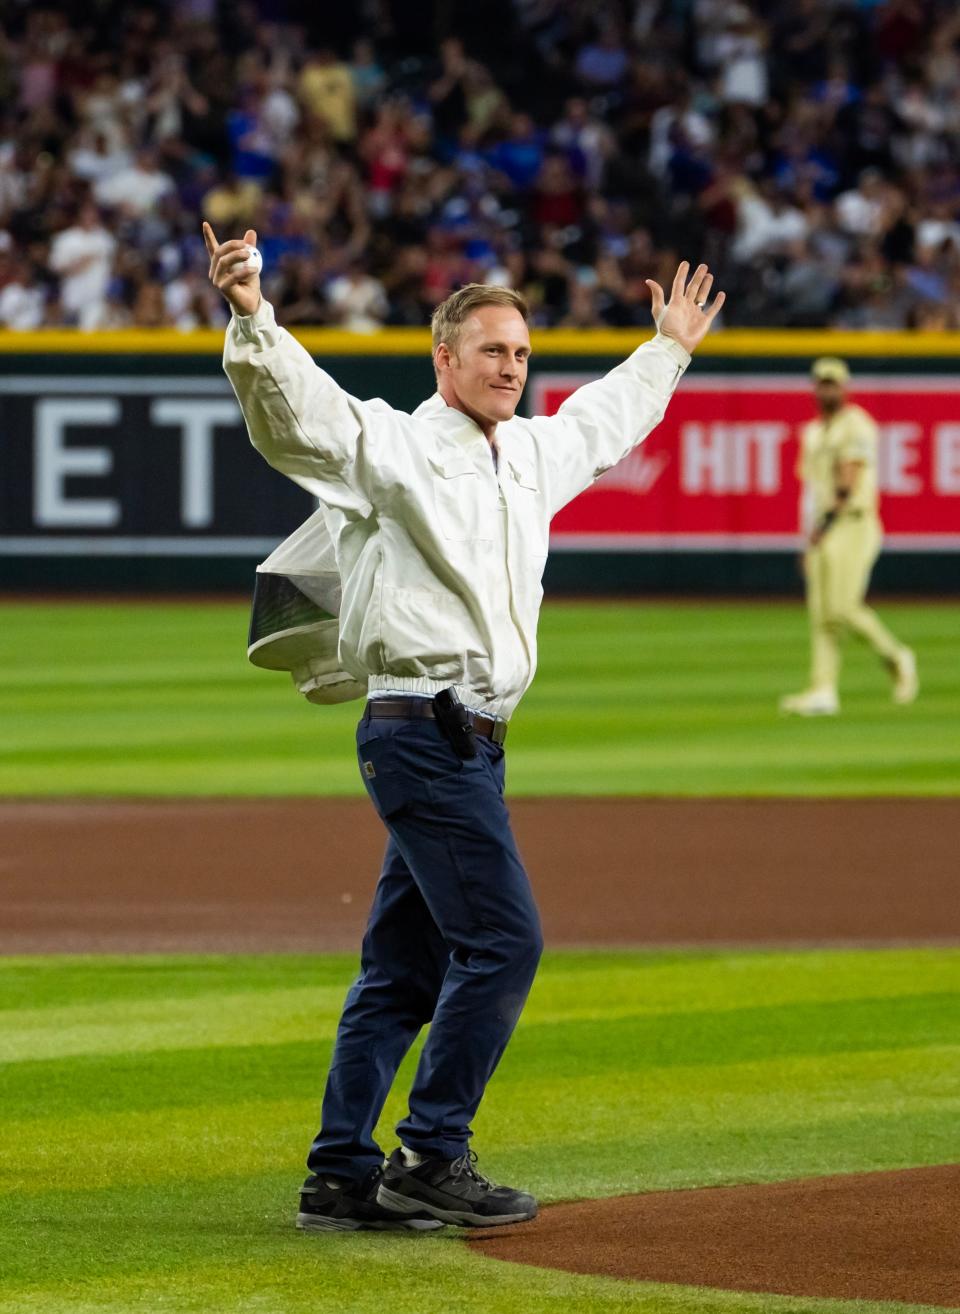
686,316
240,286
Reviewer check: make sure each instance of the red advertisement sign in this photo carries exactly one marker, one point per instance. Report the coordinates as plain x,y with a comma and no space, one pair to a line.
719,471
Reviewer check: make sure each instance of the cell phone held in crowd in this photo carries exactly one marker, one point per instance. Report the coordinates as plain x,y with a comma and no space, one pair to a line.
455,723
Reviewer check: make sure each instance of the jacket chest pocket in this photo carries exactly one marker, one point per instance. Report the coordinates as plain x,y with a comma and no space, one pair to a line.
526,505
463,508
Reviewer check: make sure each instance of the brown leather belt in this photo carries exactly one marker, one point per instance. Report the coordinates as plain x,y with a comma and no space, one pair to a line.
421,709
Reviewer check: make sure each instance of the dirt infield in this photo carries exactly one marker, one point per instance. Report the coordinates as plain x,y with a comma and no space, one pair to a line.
298,875
865,1236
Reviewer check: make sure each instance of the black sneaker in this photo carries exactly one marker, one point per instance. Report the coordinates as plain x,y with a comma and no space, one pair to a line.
452,1191
328,1204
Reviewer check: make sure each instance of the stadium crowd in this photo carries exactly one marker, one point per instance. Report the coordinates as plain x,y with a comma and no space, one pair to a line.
388,151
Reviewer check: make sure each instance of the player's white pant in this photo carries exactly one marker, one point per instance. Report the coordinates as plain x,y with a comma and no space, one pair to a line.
837,572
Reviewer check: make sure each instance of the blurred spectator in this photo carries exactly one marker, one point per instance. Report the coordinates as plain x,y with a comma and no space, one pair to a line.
802,40
369,79
253,147
767,224
487,106
81,256
296,294
387,154
519,156
171,103
357,300
149,310
233,203
603,62
940,230
447,93
188,303
740,52
587,140
94,158
677,127
384,151
326,88
136,189
866,128
583,311
805,291
22,296
557,199
860,211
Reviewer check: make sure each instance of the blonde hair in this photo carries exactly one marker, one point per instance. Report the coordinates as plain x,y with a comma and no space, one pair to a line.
450,316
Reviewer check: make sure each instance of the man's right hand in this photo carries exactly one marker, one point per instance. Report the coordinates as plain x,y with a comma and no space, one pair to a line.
685,317
240,286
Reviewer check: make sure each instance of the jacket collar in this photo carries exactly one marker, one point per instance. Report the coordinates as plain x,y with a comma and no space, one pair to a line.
437,410
452,423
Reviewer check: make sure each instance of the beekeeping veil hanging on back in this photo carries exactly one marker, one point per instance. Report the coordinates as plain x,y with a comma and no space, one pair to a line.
294,620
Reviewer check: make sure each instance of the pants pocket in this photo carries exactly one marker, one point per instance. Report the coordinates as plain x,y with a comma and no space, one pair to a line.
385,784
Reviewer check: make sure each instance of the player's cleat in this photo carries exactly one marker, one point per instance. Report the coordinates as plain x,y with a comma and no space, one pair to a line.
906,685
330,1204
451,1190
812,702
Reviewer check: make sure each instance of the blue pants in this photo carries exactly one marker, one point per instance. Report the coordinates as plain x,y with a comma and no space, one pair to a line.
453,939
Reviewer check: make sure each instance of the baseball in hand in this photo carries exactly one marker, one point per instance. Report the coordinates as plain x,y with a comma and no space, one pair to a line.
254,261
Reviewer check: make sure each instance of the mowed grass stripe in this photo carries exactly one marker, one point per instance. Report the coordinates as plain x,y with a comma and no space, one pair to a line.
146,1076
305,1013
33,981
684,1159
630,699
715,1037
217,1018
763,1122
763,1093
104,1085
643,1019
231,1043
570,983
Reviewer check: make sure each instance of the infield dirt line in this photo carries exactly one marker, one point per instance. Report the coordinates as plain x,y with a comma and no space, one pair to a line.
298,875
888,1236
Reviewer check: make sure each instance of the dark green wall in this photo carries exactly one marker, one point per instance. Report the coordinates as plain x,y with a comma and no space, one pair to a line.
404,381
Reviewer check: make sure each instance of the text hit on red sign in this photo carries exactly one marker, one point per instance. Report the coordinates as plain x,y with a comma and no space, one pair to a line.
722,465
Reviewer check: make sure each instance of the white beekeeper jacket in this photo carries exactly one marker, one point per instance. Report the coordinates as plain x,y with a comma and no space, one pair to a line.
439,553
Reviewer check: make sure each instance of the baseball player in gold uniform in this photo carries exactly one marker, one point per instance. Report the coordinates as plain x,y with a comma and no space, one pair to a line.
838,467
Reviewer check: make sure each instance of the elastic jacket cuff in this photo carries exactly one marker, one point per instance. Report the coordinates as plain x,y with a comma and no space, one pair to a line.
679,354
252,327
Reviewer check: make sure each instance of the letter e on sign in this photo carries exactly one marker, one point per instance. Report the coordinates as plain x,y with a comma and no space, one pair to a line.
896,457
946,458
54,463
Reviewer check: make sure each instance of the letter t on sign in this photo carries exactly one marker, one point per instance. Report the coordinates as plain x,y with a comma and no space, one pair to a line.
196,420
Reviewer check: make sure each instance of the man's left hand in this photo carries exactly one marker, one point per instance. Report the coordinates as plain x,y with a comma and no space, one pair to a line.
686,316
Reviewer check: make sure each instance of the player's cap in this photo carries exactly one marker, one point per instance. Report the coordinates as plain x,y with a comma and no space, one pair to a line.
830,369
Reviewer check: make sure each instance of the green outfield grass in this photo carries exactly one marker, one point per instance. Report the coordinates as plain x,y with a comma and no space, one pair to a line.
156,1112
630,699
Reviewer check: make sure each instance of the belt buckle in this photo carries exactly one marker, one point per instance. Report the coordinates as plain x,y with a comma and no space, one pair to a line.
499,732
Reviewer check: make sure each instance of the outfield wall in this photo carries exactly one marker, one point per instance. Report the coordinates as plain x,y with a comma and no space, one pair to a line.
124,462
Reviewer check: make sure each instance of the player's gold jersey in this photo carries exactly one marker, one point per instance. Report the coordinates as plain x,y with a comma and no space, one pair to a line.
850,435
